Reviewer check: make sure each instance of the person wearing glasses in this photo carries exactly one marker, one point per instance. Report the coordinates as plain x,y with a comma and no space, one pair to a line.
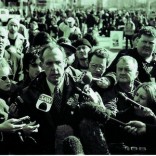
7,85
98,61
57,89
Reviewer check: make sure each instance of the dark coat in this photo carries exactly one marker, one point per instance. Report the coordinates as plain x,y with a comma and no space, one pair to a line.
146,70
49,120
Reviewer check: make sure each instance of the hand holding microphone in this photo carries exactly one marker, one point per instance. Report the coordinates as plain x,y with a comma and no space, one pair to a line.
132,102
103,82
97,113
89,95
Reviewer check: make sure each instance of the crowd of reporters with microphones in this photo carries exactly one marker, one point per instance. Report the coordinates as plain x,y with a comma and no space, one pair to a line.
60,94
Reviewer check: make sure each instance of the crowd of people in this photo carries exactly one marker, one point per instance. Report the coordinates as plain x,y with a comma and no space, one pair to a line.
62,94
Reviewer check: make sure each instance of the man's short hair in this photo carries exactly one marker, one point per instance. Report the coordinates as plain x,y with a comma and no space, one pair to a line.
99,52
147,31
51,47
129,59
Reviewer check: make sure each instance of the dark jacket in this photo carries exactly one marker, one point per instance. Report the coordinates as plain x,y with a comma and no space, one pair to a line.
146,70
49,120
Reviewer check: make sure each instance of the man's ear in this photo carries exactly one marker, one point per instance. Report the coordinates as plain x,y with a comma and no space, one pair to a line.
65,62
137,73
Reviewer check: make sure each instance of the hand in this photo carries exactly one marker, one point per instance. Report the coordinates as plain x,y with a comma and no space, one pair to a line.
13,110
13,125
4,109
103,83
135,127
144,112
30,128
93,96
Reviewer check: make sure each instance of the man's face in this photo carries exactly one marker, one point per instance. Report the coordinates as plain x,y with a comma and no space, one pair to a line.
5,79
71,24
126,71
97,66
13,27
54,64
82,55
34,69
3,41
146,46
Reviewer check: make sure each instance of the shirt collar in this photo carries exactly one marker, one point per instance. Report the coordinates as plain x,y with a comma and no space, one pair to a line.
52,87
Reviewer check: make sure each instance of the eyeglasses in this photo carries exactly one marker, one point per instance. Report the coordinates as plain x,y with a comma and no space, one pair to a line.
35,65
95,66
4,78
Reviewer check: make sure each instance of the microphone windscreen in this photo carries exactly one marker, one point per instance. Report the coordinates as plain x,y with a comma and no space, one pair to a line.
62,131
92,138
72,146
96,112
93,111
87,78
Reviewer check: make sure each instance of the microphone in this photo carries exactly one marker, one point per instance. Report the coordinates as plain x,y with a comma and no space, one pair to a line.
44,103
97,113
87,77
92,138
72,146
131,101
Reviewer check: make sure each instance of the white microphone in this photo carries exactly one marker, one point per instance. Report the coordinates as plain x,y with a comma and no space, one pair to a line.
44,103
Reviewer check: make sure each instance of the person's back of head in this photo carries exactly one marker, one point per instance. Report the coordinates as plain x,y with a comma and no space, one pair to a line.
42,38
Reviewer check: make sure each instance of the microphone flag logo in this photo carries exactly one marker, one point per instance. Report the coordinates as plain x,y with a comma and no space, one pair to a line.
44,103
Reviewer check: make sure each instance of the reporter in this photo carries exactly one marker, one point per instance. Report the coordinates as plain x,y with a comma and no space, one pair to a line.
12,125
144,132
136,127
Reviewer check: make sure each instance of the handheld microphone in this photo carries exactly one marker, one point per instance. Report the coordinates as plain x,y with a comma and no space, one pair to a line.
72,146
96,112
44,103
131,101
87,77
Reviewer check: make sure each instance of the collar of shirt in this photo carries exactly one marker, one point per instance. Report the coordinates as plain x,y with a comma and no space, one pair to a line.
52,87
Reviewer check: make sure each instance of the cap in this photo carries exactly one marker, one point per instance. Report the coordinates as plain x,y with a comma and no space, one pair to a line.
82,41
14,20
68,46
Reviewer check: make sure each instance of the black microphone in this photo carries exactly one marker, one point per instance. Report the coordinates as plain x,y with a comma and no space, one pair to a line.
92,138
82,80
131,101
97,113
85,77
72,146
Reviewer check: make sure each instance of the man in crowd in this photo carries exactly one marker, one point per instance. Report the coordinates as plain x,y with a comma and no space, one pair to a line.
83,48
52,99
98,62
56,110
15,38
31,68
126,74
144,53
